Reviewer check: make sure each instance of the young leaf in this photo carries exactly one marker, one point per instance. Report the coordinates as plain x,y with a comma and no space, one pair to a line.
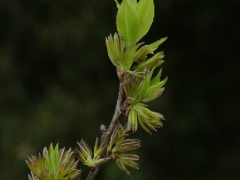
151,63
127,22
154,95
145,14
152,47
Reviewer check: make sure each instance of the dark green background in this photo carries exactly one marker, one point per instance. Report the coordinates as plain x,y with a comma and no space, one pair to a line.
58,85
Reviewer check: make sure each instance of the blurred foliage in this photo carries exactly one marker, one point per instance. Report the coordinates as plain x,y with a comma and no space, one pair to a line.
58,85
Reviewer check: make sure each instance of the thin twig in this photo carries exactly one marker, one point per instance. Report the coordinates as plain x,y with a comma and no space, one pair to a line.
106,136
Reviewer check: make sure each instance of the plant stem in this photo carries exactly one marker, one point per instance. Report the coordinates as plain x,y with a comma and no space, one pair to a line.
106,135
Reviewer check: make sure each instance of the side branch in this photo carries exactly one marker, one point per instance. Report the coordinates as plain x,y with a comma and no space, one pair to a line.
106,135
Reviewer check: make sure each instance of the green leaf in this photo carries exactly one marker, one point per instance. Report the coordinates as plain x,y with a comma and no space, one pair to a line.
154,95
151,63
127,23
145,14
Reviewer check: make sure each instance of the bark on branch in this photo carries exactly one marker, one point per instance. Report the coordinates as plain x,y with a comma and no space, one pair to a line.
106,135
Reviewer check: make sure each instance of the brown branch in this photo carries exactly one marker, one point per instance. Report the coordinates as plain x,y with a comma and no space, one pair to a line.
107,134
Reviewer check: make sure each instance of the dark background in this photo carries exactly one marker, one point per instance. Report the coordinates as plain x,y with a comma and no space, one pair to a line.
58,85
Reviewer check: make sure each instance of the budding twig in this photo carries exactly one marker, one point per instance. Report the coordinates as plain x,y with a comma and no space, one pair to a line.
107,134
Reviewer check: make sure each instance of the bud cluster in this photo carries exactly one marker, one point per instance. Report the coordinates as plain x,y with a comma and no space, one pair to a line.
118,144
87,157
53,165
133,60
141,91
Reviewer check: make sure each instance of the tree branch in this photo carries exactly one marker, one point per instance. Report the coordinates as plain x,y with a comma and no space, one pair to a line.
106,135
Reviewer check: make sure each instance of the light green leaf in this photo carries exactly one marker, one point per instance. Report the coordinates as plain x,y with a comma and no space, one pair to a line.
150,63
127,23
140,54
153,96
145,14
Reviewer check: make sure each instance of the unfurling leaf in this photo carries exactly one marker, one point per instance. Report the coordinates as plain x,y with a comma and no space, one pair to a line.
148,120
118,143
118,53
153,62
128,160
153,47
141,53
143,89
